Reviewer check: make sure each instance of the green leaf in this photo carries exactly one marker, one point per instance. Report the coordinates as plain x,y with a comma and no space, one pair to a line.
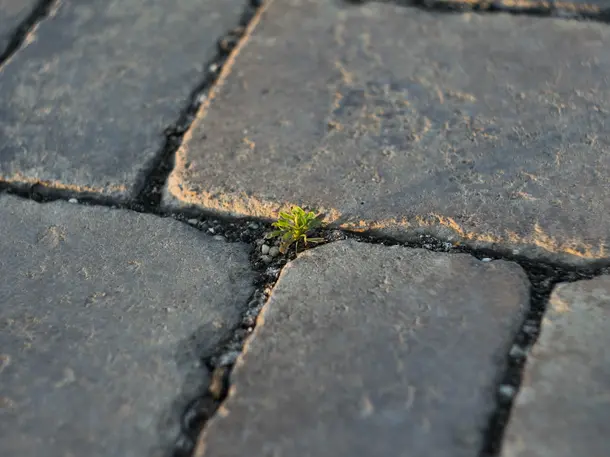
315,240
274,234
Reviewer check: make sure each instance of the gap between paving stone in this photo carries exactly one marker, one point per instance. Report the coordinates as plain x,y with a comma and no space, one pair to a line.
540,8
228,47
543,276
44,9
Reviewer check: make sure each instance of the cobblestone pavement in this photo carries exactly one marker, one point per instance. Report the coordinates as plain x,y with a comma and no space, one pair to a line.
458,150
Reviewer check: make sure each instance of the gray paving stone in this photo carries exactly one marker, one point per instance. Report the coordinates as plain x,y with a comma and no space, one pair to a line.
84,106
563,407
367,350
12,13
103,316
491,129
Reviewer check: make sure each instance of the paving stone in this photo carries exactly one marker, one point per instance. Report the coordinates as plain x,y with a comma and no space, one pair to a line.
367,350
491,129
103,316
12,14
84,106
563,407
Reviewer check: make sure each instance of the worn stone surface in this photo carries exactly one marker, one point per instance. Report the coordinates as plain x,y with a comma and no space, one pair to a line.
485,128
367,350
103,316
85,105
563,407
12,13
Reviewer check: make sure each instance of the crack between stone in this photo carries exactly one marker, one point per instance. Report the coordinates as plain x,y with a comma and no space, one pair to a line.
562,10
151,181
42,10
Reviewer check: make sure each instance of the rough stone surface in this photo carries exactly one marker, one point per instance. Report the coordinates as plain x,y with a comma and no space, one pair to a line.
103,316
563,408
84,106
366,350
12,13
485,128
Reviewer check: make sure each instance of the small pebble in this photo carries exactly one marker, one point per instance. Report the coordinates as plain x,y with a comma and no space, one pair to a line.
249,321
267,258
530,329
228,358
265,249
274,251
73,200
253,225
211,230
516,351
507,391
193,221
485,259
273,272
219,238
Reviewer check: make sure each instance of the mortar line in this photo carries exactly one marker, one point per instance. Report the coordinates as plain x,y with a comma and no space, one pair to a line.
41,11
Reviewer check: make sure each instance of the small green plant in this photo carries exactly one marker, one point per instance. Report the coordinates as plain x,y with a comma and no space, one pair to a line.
294,226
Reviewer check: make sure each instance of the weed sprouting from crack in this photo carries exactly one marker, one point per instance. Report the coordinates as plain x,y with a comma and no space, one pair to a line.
294,226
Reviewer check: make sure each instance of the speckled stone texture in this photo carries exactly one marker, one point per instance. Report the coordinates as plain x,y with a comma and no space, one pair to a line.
366,350
104,315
